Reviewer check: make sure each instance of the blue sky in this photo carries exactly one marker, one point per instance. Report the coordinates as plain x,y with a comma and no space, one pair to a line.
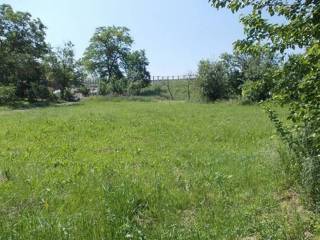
176,34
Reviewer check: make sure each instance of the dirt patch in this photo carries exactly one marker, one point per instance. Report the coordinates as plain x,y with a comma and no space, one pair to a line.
189,218
4,177
292,206
290,202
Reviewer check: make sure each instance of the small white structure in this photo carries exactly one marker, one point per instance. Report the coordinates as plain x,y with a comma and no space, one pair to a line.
94,91
57,93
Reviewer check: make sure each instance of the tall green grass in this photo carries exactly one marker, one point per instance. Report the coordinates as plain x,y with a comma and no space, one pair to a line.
144,170
178,88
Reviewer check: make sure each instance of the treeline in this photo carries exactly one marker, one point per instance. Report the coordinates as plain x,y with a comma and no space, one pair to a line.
30,69
250,77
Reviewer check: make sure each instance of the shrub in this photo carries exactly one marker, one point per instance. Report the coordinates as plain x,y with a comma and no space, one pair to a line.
84,91
7,94
255,91
38,91
212,80
135,87
118,86
69,96
303,135
104,89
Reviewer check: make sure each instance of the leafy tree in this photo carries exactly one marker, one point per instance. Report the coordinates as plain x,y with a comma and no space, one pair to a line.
136,70
109,57
22,47
213,80
7,94
235,67
300,28
108,49
61,69
292,74
259,76
80,74
250,75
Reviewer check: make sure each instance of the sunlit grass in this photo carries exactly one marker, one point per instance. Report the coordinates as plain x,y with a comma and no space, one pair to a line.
142,170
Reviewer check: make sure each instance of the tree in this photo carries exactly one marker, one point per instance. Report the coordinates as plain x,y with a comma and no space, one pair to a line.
301,29
109,57
213,80
80,74
249,75
108,49
61,69
292,74
136,70
22,47
235,69
259,75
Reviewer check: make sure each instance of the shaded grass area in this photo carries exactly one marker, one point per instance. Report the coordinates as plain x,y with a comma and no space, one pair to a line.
25,105
143,170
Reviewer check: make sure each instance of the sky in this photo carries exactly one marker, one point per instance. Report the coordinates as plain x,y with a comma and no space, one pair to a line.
176,34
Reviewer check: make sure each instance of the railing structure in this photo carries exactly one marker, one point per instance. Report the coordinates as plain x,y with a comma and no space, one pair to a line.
91,82
175,78
94,83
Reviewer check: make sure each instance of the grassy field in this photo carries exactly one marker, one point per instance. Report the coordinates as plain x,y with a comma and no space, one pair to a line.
144,170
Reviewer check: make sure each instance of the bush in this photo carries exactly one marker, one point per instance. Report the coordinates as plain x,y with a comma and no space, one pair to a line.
212,80
255,91
84,91
69,96
135,87
116,86
38,91
303,135
105,89
7,94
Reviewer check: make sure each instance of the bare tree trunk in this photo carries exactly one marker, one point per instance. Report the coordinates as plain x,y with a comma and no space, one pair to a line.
189,97
169,90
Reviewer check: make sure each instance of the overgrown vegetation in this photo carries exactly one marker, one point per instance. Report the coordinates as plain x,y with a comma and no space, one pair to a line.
145,170
162,169
181,90
249,76
300,77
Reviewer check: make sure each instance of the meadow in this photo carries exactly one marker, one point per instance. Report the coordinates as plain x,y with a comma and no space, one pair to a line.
145,170
179,90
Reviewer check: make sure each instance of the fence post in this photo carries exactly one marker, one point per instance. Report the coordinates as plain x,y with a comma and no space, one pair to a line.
168,86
